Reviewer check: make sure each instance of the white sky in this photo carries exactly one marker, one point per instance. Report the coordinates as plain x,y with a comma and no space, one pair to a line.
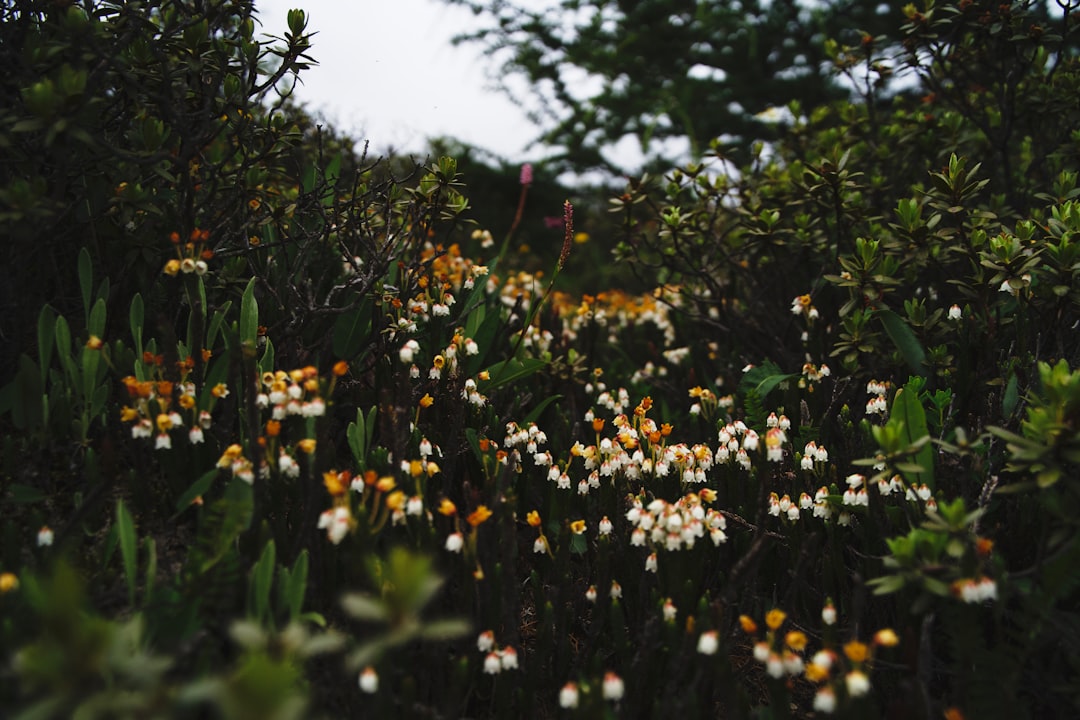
388,73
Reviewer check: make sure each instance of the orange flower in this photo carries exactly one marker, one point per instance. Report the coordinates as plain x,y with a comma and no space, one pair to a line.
748,625
775,618
307,445
427,401
447,507
533,518
795,640
856,651
341,367
598,424
273,428
479,515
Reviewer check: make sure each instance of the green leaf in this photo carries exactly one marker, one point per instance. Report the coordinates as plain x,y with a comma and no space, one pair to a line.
262,579
351,331
448,629
296,588
908,411
125,527
249,316
357,437
266,362
199,487
46,333
136,319
535,413
1011,396
365,607
904,340
86,281
510,371
151,568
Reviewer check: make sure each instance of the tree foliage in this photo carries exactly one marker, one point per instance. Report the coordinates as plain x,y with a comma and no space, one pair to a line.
663,70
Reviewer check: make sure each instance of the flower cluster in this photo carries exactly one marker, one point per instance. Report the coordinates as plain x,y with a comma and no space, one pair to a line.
675,526
877,404
496,659
191,255
158,407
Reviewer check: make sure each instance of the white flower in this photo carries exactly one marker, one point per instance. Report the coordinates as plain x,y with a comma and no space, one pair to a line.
955,313
540,545
774,666
650,563
408,350
288,466
605,526
828,616
509,658
492,664
616,591
485,641
454,542
568,696
369,680
825,701
613,687
857,683
708,643
162,442
45,536
195,435
670,611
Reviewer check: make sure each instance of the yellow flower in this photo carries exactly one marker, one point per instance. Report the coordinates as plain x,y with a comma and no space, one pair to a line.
816,673
395,500
577,527
533,518
856,651
231,453
220,390
94,343
416,468
172,267
432,469
886,637
427,401
447,507
335,483
775,618
479,515
795,640
164,422
8,582
385,484
128,414
307,445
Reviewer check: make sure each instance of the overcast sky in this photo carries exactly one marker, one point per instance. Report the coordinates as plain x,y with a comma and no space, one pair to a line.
388,73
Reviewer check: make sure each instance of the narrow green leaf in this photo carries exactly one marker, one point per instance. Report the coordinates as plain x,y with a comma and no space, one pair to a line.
46,333
535,413
136,319
1011,396
358,439
266,362
296,588
249,316
262,579
125,527
151,569
448,629
351,331
199,487
908,411
904,340
364,607
86,281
